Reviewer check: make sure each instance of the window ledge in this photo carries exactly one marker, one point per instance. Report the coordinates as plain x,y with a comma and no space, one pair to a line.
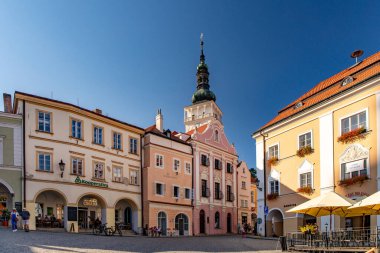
115,181
77,175
45,171
117,149
99,144
75,138
44,132
131,153
98,180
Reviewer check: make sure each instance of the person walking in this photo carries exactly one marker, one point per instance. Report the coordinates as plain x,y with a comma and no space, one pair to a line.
14,220
25,219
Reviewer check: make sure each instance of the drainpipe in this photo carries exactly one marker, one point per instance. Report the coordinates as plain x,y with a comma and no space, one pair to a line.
141,180
265,181
23,147
192,187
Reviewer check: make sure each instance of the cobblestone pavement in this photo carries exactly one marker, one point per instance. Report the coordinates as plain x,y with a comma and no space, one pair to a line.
48,242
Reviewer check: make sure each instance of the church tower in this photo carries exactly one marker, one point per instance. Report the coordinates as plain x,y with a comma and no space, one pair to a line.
203,109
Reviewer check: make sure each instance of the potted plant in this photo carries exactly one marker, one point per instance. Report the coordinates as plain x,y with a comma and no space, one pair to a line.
305,189
304,151
353,180
6,215
272,196
273,160
352,135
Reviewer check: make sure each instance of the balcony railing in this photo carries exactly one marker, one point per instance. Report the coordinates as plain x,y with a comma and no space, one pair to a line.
230,197
218,195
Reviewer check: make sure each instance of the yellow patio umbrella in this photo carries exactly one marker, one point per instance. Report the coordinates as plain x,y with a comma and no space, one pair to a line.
326,204
371,202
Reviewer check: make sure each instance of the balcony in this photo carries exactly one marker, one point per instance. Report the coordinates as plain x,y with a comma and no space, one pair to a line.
230,197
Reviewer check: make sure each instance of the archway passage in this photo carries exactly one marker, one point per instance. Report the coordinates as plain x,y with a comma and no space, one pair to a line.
182,224
275,223
162,222
202,221
90,208
229,223
49,210
6,198
126,212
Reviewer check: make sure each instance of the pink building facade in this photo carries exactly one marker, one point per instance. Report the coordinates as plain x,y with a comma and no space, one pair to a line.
167,181
215,161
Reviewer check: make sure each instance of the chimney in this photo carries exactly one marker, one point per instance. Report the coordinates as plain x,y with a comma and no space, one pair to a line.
98,111
7,103
159,121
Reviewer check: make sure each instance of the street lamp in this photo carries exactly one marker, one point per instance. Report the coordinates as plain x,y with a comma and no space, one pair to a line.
61,167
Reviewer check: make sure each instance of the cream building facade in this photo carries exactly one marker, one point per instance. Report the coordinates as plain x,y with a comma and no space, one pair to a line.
326,140
79,165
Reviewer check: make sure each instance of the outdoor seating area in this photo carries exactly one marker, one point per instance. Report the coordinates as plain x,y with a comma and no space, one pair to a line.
48,222
359,240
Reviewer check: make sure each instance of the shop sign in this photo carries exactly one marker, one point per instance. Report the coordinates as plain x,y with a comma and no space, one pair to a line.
259,220
90,202
354,166
78,180
290,205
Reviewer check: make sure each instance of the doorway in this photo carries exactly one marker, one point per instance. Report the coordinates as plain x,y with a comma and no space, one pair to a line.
202,222
182,224
82,218
128,217
162,222
229,220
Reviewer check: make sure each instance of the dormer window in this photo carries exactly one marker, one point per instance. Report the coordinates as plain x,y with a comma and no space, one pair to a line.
298,105
347,80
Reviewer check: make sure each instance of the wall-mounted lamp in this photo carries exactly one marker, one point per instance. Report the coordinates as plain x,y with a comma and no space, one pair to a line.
61,167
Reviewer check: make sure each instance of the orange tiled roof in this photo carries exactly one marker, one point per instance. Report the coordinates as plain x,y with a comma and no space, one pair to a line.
330,87
200,129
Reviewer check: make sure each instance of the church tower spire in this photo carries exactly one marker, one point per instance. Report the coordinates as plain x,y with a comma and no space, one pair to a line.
203,92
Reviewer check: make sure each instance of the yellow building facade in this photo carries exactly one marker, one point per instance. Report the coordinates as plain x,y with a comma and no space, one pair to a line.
326,140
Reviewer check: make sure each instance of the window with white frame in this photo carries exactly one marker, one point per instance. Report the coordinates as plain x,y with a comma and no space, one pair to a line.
305,179
44,161
304,140
1,150
274,186
98,135
354,169
175,191
98,170
187,193
117,140
77,166
44,121
76,129
160,189
117,174
273,151
176,165
133,175
353,122
133,145
229,168
187,168
159,161
218,164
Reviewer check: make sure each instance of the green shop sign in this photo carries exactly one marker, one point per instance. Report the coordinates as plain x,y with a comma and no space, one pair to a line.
78,180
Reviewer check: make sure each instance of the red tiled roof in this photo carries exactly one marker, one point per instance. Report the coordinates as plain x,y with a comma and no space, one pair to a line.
330,87
154,130
200,129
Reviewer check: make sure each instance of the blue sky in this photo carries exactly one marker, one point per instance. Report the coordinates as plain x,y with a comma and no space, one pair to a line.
130,58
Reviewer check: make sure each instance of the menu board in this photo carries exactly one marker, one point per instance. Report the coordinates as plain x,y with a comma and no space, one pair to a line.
72,213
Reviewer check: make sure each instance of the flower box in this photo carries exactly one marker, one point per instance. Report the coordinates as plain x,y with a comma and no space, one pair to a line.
350,181
272,161
352,135
272,196
305,189
304,151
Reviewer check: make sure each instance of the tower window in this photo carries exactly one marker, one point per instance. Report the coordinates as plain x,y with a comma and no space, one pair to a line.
216,136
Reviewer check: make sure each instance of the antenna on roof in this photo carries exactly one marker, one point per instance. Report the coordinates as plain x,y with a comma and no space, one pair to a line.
356,54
